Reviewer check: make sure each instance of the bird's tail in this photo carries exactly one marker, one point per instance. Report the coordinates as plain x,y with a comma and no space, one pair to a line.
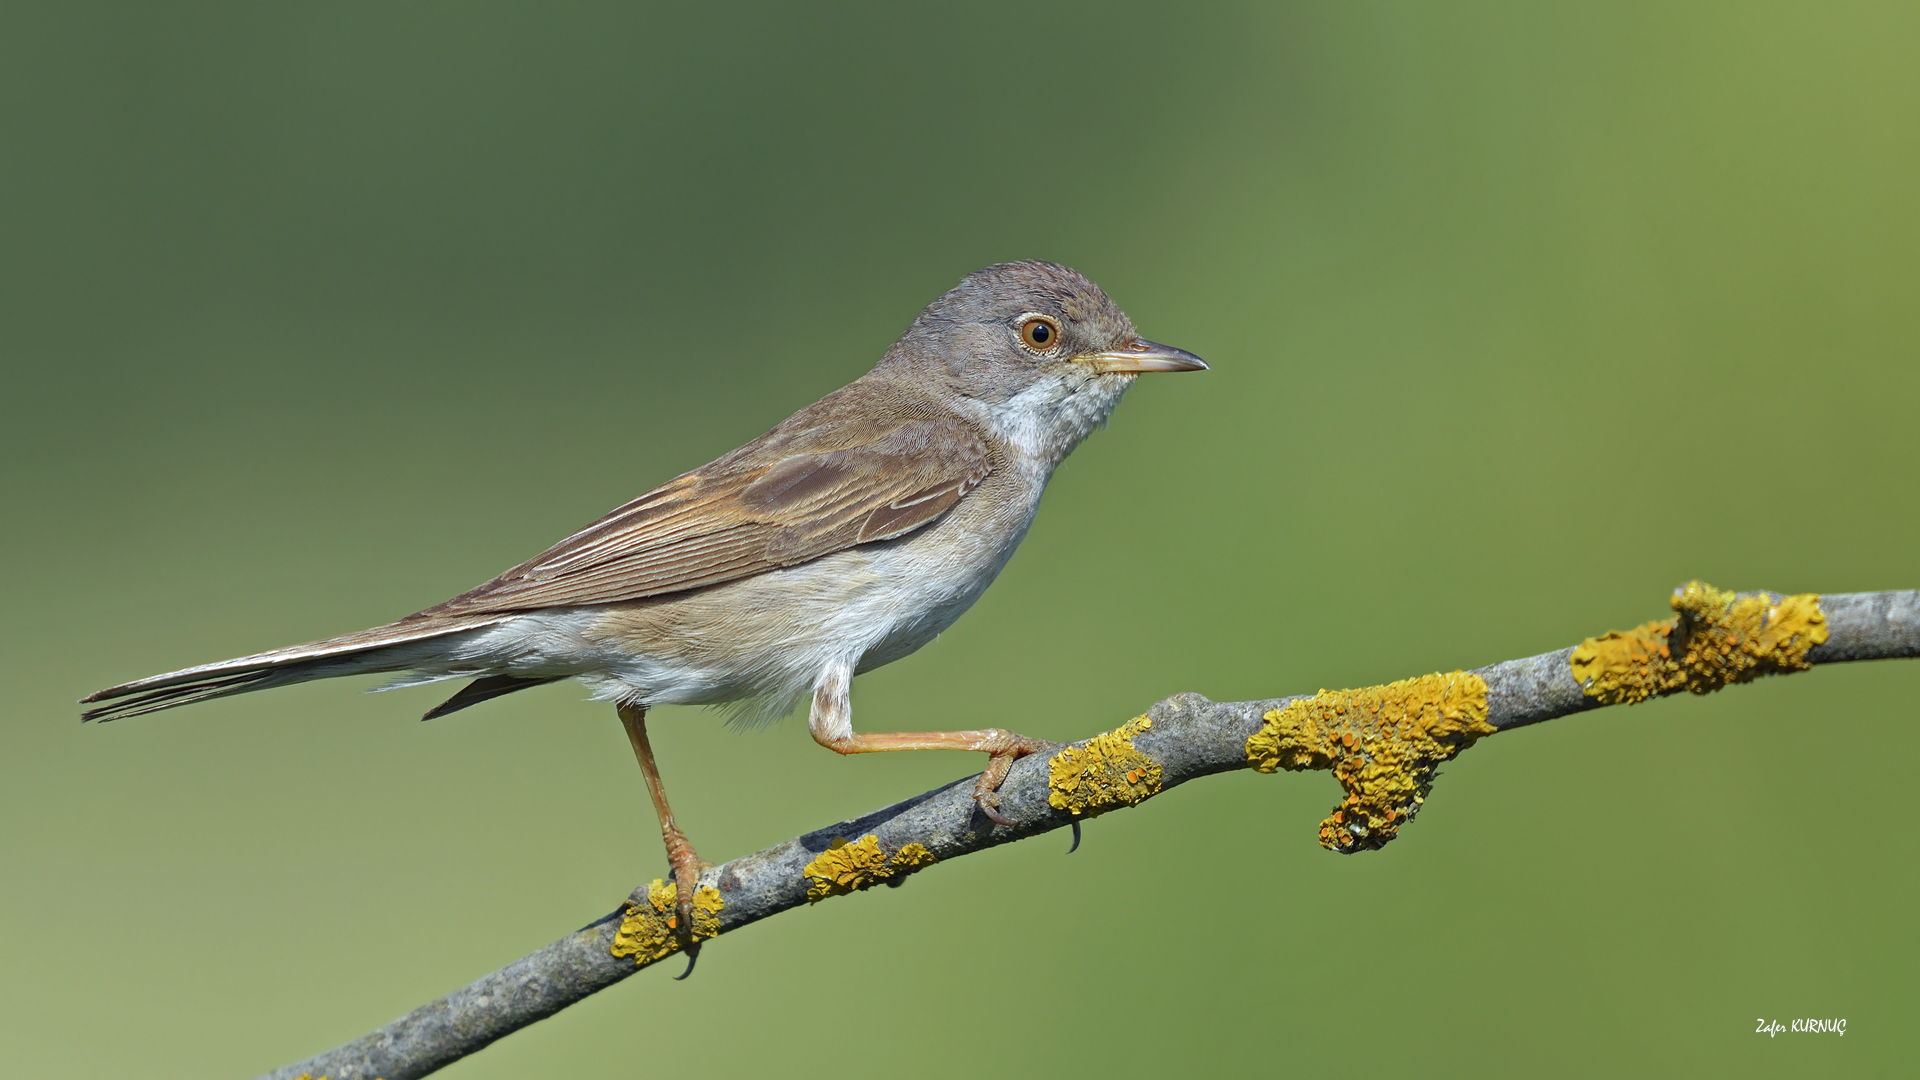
393,647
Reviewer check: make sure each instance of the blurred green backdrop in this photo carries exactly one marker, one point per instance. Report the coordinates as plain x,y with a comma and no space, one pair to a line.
1520,315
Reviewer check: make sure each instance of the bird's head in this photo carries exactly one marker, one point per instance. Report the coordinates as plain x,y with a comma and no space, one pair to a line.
1037,349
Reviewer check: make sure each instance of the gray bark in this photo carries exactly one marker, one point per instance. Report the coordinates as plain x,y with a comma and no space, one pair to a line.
1191,737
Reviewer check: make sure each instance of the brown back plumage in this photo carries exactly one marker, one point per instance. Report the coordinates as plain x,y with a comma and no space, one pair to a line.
808,488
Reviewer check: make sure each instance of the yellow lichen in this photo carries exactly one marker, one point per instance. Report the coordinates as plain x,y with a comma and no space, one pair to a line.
650,930
849,867
1105,773
1624,666
1382,743
1716,640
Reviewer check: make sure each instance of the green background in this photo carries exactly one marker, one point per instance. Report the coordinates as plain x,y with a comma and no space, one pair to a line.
1520,315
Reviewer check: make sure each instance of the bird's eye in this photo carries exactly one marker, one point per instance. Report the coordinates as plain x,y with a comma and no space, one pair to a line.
1039,332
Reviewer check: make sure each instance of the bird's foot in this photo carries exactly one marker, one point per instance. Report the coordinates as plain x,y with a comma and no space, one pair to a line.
687,868
1005,748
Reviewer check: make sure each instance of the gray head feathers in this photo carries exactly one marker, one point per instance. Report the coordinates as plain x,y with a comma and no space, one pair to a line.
971,338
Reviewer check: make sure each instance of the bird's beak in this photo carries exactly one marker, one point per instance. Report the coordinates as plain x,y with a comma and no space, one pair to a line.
1142,355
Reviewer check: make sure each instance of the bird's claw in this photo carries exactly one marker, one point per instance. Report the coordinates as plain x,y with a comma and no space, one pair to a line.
1013,748
686,882
990,805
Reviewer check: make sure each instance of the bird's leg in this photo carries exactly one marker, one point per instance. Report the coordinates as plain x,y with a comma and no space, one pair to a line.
680,854
831,723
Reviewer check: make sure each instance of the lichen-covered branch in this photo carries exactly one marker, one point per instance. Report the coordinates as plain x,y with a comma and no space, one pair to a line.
1383,743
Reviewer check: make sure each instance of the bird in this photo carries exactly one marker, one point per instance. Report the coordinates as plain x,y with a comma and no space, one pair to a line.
843,539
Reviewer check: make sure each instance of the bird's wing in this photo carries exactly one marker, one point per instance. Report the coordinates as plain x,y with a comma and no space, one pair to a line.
796,494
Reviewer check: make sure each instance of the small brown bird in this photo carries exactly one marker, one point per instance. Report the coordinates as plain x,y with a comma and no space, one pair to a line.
844,539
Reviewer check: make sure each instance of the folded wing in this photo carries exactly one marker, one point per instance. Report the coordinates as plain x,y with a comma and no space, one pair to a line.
795,495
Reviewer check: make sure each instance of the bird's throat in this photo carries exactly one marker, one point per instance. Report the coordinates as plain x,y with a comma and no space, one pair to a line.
1045,421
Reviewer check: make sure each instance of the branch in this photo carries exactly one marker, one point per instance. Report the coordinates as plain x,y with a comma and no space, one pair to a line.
1383,744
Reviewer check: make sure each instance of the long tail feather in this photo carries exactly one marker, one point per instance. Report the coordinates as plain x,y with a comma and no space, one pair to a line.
379,649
